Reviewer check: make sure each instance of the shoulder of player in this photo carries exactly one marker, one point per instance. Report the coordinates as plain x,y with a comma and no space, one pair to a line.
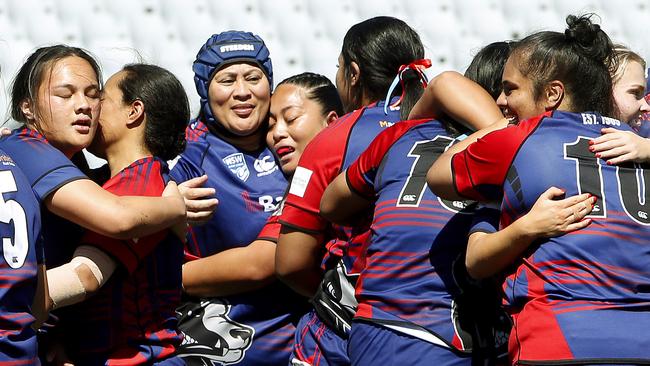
332,140
390,135
142,177
515,135
195,130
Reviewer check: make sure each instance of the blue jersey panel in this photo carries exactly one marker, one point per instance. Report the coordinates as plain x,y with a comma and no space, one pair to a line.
578,289
20,228
46,169
249,187
253,328
409,278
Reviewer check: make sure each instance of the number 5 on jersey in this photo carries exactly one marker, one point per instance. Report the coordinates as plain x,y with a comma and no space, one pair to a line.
14,248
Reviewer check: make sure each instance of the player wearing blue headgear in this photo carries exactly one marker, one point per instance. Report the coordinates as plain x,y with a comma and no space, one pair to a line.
235,312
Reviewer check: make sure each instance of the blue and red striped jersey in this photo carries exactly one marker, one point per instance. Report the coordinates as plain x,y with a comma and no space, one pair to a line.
408,283
249,187
132,317
325,157
47,170
20,228
569,295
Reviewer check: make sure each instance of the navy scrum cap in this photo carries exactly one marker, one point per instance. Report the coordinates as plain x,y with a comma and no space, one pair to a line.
225,48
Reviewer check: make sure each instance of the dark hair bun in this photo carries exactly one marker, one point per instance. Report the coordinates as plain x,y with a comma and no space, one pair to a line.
588,37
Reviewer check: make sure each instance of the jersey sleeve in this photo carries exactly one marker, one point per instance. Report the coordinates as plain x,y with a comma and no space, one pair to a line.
45,167
480,170
271,230
319,164
361,174
188,163
486,218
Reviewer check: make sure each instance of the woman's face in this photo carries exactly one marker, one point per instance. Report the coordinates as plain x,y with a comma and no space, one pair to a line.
112,120
239,96
629,92
68,105
517,99
294,121
342,84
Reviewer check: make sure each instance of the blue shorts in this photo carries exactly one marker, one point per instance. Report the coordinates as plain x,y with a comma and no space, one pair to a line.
315,344
372,344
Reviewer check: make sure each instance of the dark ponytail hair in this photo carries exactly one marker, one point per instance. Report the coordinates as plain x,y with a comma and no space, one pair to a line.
319,89
165,103
30,76
380,46
486,68
581,58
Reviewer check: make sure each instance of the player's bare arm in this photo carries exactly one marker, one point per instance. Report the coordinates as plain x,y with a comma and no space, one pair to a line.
231,271
114,216
297,260
490,253
451,94
340,204
440,176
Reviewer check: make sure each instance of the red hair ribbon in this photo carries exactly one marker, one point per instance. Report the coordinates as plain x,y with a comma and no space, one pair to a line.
418,66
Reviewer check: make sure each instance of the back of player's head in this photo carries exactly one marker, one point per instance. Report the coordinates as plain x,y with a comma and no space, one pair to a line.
380,46
31,74
486,68
319,89
581,58
166,107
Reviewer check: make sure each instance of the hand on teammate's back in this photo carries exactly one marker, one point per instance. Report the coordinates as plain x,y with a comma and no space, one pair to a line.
551,216
617,147
199,201
180,228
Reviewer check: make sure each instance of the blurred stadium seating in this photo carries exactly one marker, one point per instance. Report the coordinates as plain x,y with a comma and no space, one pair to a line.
302,35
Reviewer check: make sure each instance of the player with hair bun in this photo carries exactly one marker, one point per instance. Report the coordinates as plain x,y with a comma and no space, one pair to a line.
568,294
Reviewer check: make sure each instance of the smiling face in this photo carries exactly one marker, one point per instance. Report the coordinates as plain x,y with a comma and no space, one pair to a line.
239,97
517,99
68,105
629,92
294,121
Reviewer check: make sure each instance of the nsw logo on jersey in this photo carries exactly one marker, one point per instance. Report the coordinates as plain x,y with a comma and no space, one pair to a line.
6,160
265,166
237,165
